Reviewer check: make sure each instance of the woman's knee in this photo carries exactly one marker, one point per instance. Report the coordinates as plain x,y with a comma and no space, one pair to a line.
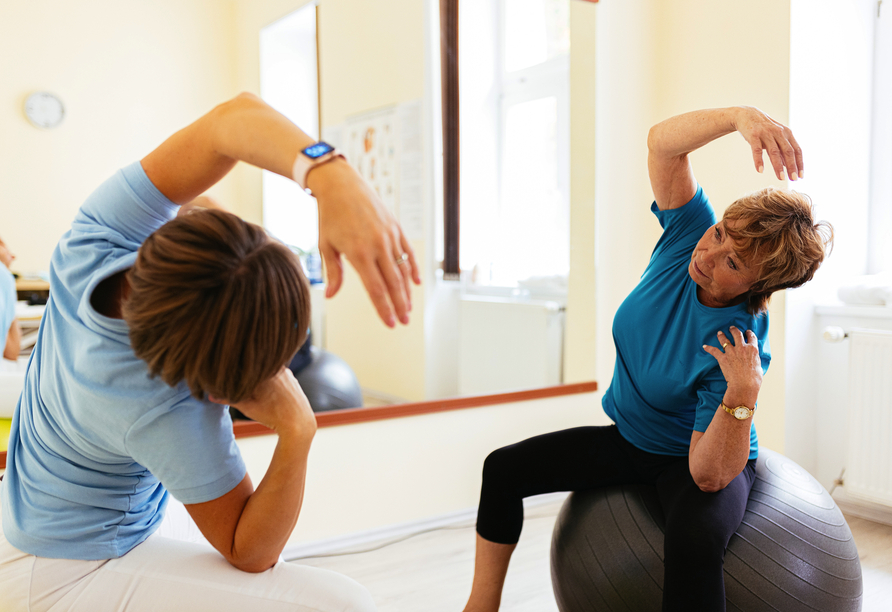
356,598
335,592
498,465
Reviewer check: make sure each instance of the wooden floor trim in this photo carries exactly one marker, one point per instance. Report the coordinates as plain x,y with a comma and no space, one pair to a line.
246,429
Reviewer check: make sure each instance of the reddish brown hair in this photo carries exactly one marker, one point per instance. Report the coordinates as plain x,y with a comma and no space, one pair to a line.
777,234
216,302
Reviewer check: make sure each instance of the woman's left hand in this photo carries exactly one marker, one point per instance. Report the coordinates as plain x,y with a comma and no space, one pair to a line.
740,362
765,134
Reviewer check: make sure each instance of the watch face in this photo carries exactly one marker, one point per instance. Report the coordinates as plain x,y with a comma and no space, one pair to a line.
741,413
318,150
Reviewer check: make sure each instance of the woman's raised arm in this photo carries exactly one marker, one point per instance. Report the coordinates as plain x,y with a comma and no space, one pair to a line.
670,142
352,219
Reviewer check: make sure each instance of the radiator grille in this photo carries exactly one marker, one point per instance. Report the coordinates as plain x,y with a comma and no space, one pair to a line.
869,470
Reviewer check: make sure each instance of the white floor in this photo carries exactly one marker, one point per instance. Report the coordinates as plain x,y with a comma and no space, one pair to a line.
432,572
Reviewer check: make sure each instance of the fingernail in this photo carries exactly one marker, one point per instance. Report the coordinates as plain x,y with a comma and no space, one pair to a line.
391,321
794,177
761,168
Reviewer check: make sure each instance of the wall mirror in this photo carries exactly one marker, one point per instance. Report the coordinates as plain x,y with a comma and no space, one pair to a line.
373,89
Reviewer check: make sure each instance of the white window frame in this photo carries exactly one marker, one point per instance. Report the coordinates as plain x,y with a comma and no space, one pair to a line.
880,206
548,79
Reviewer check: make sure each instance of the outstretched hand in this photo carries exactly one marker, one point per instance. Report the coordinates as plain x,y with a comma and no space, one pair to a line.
354,222
765,134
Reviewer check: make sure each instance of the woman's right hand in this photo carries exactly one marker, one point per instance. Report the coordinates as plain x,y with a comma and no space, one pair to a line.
280,404
765,134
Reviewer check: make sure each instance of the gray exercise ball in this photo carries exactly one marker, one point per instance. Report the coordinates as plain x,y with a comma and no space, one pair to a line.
792,552
329,383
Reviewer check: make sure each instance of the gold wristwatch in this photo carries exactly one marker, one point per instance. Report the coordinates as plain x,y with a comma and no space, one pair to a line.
740,413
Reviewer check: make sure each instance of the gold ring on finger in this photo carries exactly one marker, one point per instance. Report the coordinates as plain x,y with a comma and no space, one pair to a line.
724,345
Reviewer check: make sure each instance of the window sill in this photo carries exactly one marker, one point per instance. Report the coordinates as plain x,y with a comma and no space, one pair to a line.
860,312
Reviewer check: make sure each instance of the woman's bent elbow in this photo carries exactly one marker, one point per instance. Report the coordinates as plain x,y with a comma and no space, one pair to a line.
253,566
709,484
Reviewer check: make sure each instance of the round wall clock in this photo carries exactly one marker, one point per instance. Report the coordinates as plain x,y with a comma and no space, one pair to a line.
44,110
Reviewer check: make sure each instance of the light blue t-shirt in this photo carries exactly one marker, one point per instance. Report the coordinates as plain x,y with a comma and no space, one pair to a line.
665,386
7,304
96,444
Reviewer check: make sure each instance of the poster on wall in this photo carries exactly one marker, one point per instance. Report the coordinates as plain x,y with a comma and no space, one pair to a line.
371,148
385,147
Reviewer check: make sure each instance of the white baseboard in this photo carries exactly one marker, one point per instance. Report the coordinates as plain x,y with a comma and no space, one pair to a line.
862,508
381,535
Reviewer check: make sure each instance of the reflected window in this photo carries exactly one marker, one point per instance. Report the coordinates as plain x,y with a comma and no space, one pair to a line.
289,82
514,134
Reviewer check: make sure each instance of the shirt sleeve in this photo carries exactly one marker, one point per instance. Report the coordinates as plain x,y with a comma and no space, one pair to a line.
128,205
682,227
190,448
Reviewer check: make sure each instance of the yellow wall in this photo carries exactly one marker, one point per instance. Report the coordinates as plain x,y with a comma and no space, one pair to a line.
581,331
129,74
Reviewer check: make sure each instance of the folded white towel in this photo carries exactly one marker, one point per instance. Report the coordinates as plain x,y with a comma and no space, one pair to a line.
874,289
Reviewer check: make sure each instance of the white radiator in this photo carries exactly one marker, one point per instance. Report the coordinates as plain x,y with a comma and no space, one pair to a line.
868,473
507,345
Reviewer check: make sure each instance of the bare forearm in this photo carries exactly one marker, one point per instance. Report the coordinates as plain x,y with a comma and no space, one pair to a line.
682,134
247,129
272,510
722,451
242,129
13,341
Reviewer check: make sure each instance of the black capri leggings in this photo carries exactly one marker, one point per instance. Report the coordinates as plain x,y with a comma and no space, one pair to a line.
698,524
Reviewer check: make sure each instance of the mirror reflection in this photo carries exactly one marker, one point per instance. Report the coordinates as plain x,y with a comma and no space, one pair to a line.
362,75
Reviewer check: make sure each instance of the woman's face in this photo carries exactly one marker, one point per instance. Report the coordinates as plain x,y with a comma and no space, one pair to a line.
6,256
722,277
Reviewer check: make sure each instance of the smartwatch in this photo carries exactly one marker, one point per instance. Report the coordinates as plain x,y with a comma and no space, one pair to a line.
314,155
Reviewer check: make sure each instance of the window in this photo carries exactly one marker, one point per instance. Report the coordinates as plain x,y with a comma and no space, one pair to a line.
880,211
289,83
514,163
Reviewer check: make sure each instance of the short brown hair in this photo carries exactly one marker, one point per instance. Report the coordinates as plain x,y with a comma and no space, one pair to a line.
216,302
776,233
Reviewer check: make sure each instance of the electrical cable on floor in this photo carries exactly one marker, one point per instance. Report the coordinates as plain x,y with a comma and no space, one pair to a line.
406,537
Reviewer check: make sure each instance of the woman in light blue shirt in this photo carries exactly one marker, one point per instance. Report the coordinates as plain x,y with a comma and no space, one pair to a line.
155,323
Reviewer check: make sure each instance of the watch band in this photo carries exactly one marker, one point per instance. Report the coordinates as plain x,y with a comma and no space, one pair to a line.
740,412
306,162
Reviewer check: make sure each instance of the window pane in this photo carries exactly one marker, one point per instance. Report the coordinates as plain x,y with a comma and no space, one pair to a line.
288,83
535,32
532,234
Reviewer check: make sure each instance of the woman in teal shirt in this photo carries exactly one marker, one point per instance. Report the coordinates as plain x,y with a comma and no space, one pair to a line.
691,349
